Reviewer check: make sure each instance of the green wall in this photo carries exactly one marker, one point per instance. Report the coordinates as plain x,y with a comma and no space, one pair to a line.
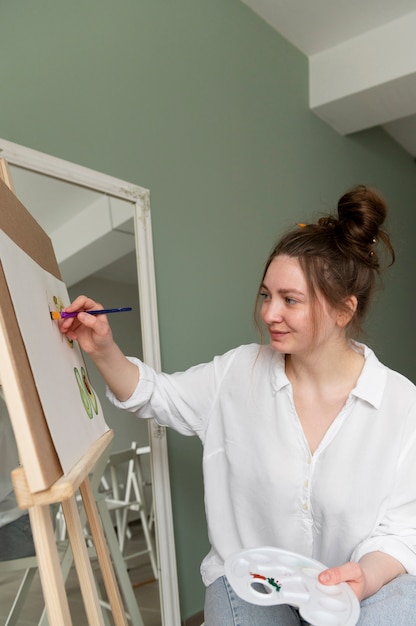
203,103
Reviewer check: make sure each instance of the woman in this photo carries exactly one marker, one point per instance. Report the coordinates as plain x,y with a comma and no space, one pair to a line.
309,441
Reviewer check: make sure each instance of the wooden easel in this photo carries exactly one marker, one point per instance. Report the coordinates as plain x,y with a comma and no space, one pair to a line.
63,491
40,481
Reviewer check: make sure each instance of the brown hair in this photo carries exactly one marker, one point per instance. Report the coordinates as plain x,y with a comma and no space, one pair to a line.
339,253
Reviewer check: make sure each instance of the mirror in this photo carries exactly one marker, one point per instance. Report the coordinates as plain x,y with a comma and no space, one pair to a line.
111,259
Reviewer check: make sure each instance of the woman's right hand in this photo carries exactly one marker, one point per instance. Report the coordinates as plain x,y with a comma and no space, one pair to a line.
93,334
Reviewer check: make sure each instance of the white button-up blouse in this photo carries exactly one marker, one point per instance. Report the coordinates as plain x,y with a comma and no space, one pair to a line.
354,495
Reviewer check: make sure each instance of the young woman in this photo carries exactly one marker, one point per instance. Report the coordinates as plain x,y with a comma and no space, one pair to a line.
309,441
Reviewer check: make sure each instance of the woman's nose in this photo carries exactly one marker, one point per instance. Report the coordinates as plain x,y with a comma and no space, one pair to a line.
272,312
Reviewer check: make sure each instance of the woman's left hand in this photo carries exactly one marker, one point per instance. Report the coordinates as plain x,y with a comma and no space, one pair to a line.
351,573
365,578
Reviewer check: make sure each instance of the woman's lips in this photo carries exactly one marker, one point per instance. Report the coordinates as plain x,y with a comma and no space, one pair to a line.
277,334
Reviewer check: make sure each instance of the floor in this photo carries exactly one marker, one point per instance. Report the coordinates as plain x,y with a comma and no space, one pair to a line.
145,587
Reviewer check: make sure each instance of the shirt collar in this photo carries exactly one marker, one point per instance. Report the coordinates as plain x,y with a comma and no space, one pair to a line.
372,380
370,384
277,372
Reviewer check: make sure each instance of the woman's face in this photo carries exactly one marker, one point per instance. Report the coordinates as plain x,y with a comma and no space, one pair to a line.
288,310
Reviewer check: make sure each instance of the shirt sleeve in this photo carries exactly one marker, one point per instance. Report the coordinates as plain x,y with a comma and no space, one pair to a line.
182,401
396,532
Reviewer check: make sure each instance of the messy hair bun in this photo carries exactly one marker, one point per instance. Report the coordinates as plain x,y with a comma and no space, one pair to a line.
358,227
341,254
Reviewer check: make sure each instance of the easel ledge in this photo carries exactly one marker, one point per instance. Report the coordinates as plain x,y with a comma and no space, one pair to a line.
66,486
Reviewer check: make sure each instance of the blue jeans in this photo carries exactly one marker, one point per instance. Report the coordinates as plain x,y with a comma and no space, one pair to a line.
16,539
393,605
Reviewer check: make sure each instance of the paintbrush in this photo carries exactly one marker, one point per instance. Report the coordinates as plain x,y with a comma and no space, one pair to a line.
61,315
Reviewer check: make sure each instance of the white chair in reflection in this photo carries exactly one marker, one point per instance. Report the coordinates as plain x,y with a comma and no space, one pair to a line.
133,612
126,494
29,566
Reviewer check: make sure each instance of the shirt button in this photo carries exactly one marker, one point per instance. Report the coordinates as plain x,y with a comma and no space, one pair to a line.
306,483
305,507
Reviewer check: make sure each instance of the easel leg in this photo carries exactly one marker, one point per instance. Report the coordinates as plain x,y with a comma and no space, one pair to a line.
49,567
103,554
82,562
66,563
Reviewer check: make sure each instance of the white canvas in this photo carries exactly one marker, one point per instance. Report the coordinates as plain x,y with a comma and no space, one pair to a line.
71,407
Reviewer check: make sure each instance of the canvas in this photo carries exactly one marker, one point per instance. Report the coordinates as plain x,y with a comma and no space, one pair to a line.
71,407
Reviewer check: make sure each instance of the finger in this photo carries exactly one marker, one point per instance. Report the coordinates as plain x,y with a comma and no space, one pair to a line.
347,572
77,304
83,303
98,324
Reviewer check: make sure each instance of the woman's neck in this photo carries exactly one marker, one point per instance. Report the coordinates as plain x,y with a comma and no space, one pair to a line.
321,386
321,367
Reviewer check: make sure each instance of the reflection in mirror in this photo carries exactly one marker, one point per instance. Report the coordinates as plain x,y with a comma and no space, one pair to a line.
100,230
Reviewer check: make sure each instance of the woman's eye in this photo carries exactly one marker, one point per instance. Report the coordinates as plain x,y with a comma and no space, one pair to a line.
264,295
290,301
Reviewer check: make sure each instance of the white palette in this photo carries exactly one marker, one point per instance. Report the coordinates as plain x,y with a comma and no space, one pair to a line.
269,576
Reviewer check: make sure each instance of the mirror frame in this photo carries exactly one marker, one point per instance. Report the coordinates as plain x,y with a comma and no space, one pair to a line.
139,197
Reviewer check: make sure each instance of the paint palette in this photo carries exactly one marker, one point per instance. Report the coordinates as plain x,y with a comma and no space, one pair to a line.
269,576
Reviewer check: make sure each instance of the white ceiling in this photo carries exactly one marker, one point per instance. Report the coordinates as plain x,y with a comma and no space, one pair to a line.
362,60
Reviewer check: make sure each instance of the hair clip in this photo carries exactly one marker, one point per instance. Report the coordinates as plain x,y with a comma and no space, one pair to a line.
301,225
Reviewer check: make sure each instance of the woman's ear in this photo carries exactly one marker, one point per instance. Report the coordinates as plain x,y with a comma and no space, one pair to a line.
345,315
